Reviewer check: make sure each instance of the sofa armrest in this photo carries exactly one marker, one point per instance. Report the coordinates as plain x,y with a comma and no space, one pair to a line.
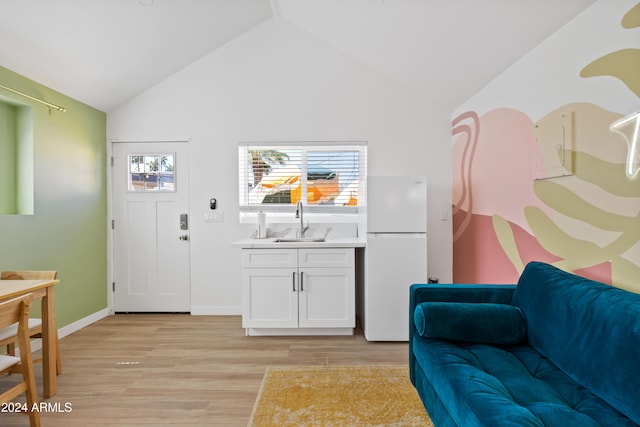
481,293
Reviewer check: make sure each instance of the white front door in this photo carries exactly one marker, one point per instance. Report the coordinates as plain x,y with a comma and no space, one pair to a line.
150,187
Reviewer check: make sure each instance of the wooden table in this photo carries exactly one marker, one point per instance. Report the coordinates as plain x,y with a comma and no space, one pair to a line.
41,289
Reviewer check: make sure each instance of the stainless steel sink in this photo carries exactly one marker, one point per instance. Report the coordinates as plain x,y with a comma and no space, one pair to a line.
303,240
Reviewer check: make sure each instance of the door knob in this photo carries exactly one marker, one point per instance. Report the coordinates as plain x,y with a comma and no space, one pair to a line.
184,237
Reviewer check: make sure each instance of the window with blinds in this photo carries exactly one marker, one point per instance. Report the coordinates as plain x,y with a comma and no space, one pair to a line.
327,177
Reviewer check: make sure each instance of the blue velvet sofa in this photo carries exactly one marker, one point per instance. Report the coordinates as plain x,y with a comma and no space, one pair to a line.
554,350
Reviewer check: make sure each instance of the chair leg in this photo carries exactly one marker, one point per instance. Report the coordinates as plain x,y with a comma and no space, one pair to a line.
58,359
34,414
31,395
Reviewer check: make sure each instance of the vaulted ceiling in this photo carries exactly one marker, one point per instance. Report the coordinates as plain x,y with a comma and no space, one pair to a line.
104,52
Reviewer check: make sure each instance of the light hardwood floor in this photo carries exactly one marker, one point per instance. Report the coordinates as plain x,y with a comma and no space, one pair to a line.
181,370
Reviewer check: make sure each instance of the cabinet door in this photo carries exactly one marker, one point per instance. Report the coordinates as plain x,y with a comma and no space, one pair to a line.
327,297
269,298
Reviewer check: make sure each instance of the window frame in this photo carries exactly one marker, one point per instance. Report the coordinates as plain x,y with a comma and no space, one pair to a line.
247,209
158,155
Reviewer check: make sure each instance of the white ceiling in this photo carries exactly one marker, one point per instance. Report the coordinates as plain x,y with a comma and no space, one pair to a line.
104,52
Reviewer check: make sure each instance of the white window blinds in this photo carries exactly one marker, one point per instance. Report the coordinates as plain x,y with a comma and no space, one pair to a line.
327,177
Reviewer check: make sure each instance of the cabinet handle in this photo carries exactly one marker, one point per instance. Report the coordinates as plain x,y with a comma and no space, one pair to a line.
293,281
301,281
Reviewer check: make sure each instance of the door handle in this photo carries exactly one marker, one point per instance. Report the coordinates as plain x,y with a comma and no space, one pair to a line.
293,281
184,237
301,282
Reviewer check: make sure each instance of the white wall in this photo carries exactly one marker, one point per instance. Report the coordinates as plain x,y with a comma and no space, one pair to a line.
548,76
277,83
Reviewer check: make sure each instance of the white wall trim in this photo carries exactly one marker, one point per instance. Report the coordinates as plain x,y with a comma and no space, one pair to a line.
215,311
131,140
74,327
83,323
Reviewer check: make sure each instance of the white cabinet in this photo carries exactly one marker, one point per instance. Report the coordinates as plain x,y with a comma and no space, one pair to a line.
298,291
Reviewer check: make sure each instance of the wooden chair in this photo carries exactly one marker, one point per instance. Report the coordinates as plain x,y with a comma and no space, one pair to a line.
17,311
8,334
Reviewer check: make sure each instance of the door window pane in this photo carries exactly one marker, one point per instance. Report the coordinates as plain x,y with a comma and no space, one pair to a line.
152,172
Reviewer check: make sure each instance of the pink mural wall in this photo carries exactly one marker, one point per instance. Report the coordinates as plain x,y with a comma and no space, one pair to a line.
584,219
492,156
493,187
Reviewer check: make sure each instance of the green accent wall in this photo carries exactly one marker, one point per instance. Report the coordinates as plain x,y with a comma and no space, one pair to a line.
16,158
8,158
67,231
24,161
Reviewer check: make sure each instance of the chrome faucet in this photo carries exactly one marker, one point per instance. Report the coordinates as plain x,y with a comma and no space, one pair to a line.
299,214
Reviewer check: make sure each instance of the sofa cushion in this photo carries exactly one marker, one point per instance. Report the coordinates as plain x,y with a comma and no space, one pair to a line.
471,322
488,385
588,329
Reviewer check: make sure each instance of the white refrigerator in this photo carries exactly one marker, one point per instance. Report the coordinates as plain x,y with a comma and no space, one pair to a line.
395,255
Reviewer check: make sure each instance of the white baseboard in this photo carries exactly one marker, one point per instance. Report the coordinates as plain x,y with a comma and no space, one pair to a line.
83,323
262,332
73,327
215,311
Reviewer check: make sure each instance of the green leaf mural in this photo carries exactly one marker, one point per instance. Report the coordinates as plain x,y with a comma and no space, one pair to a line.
623,65
507,241
608,176
576,253
632,18
579,253
568,203
563,198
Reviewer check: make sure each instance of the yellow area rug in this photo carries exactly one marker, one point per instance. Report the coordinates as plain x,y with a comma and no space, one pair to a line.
372,395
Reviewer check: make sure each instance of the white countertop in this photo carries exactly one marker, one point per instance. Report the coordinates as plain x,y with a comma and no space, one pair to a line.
270,243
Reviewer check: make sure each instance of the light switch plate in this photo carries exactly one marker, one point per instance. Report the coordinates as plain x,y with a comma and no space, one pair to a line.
215,216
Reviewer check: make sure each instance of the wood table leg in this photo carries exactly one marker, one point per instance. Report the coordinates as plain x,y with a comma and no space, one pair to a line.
49,343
